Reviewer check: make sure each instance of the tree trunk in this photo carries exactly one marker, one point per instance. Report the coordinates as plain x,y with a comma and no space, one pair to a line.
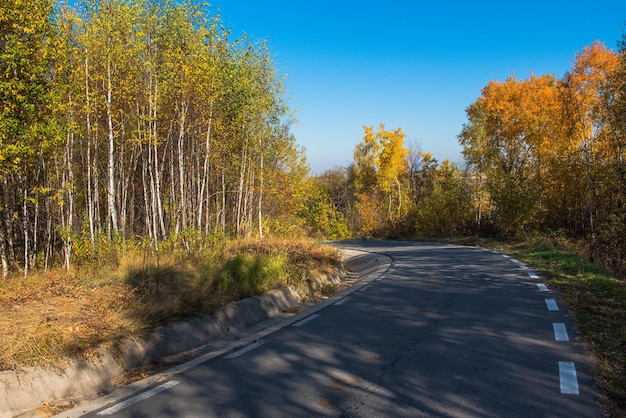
587,152
261,180
68,188
3,254
223,211
89,168
240,191
157,171
8,221
181,165
25,224
205,167
112,225
148,188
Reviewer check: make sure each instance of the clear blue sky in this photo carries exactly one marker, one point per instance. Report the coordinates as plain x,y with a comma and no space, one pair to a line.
410,64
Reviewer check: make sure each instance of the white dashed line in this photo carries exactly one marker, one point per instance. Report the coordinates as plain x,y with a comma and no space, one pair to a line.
342,301
380,278
305,320
560,332
365,288
245,349
138,398
569,381
567,370
551,304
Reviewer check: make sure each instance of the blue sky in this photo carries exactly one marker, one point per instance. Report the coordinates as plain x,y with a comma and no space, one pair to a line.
410,64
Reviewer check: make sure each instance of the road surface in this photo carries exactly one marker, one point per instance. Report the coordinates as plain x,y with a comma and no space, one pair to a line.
446,331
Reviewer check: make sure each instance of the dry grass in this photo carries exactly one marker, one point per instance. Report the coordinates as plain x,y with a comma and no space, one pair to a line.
47,317
52,315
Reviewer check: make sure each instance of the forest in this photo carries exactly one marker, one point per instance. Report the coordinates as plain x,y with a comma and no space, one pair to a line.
136,121
131,122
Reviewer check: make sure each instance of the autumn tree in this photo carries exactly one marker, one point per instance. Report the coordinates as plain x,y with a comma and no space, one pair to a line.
614,101
26,129
380,170
327,206
587,86
447,209
509,137
548,153
607,169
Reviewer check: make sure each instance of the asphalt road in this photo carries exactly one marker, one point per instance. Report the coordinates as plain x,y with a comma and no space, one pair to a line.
446,331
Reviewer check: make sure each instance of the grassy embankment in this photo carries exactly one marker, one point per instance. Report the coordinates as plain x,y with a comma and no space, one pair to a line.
47,317
596,297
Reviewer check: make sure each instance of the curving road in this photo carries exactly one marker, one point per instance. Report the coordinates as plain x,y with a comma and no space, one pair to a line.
446,331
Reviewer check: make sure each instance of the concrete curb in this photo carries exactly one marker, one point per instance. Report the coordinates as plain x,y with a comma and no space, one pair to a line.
23,391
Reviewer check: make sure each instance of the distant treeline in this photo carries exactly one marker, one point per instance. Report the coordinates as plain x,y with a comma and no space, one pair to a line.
542,155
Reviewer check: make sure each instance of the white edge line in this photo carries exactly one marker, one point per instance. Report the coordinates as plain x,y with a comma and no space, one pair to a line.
552,305
560,332
245,349
567,376
136,399
305,320
342,301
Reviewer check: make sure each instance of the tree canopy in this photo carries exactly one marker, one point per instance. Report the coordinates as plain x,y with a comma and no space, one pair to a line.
130,118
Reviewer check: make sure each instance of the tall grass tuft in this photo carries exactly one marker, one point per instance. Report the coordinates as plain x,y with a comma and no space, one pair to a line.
248,274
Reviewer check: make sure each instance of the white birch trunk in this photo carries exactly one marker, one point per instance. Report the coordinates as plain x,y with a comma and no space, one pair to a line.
111,195
205,167
181,165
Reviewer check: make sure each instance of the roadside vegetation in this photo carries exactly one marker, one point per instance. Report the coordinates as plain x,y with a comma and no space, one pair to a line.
51,315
